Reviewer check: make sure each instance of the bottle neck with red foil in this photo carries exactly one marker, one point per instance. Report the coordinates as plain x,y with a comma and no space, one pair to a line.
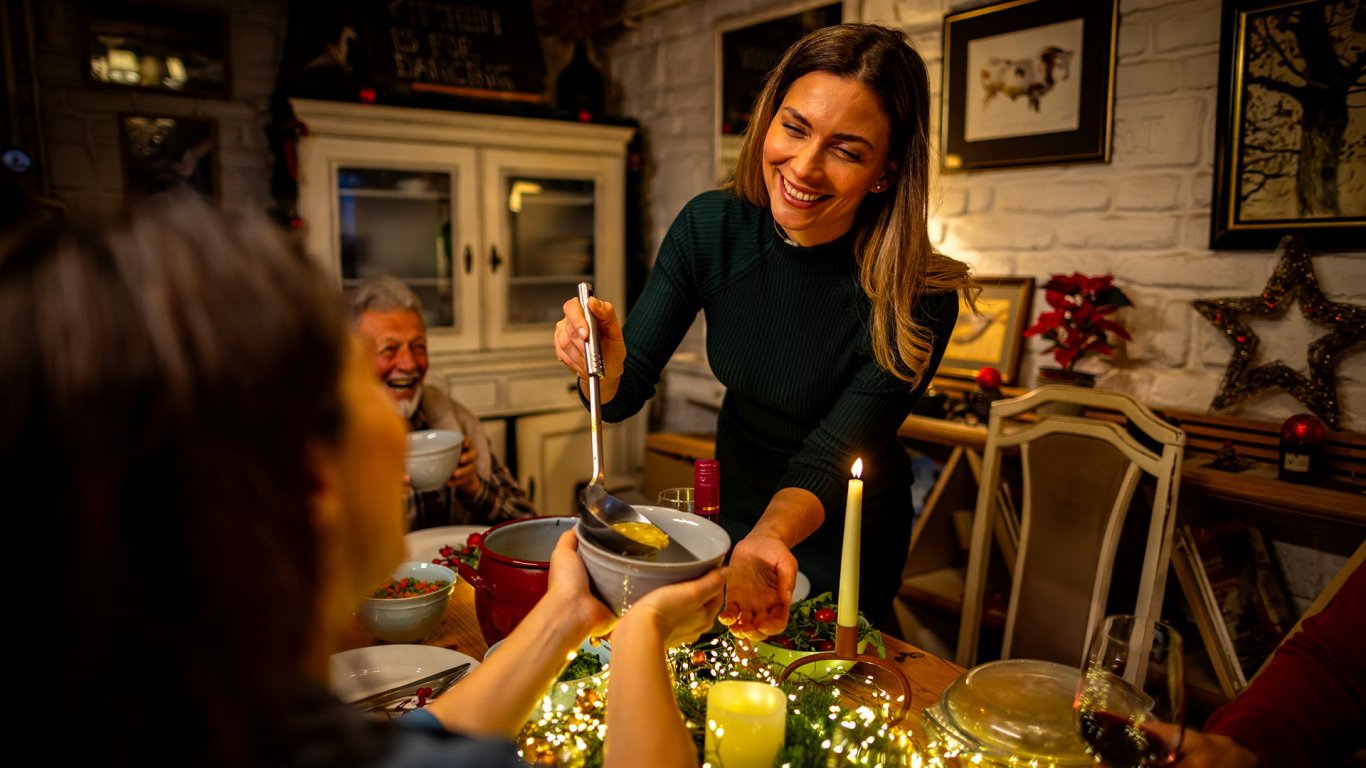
706,487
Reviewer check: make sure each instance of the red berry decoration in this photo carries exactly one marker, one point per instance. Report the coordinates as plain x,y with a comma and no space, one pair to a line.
988,378
825,614
824,645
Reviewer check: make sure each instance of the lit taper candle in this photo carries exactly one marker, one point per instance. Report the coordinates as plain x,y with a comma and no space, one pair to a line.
849,561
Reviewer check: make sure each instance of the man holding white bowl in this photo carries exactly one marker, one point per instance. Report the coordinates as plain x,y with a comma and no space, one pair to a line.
388,316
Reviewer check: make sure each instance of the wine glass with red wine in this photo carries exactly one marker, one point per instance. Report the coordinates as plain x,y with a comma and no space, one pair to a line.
1131,701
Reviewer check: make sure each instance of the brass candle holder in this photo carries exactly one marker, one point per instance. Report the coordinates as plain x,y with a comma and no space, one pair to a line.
846,649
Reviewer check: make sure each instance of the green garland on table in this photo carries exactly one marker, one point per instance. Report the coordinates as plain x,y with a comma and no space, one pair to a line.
821,729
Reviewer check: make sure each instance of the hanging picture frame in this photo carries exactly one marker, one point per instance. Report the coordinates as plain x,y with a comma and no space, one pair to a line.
995,337
1281,114
156,47
747,49
1029,82
163,152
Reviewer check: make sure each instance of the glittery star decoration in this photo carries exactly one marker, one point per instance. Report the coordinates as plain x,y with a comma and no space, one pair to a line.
1293,282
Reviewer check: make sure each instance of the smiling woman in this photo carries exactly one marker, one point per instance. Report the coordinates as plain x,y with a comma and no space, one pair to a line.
827,312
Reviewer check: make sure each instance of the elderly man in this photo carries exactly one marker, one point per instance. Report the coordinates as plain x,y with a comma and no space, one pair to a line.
481,490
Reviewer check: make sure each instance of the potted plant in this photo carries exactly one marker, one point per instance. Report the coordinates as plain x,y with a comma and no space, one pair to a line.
1078,323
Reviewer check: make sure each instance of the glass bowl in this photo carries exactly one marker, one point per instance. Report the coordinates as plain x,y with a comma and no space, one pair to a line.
1016,710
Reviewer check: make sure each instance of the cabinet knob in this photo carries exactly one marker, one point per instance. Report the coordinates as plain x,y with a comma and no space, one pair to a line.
494,259
469,259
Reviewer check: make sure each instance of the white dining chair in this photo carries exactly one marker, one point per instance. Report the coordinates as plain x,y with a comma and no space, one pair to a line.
1079,474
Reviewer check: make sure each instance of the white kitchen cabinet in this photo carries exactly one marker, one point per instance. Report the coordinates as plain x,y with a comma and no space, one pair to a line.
555,458
492,221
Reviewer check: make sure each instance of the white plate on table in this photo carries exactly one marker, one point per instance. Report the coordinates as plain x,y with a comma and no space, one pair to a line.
801,588
425,545
361,672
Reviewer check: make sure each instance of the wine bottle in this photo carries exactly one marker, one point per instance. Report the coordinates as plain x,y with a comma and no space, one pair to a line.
706,488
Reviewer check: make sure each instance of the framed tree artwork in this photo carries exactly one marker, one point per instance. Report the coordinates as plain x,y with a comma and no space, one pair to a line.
1028,82
1290,152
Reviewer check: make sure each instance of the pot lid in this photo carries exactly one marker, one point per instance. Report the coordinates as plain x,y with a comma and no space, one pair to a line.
1015,708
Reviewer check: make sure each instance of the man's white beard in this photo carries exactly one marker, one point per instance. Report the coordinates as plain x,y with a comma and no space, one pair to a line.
408,406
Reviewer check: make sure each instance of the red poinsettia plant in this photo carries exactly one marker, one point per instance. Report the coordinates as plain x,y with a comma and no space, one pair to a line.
1079,322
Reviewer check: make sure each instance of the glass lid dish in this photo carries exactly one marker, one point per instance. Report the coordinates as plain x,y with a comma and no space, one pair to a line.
1016,711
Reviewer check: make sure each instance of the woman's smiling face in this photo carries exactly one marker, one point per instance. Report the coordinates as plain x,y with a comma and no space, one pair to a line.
826,148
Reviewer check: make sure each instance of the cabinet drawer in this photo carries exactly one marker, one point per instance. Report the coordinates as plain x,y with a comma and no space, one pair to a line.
542,391
478,395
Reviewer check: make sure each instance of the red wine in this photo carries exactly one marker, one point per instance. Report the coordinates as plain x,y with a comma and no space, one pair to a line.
1120,743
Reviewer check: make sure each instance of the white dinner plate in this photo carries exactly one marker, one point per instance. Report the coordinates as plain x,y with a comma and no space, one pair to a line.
801,589
360,672
425,545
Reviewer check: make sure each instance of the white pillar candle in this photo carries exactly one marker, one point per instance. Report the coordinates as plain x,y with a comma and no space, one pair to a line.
746,724
849,560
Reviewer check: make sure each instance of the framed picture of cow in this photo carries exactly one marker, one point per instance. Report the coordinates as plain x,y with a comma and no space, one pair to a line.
1029,82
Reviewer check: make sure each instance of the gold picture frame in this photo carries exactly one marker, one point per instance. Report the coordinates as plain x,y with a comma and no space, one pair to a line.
994,335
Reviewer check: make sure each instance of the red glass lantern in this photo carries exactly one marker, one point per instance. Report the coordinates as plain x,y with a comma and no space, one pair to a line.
1302,441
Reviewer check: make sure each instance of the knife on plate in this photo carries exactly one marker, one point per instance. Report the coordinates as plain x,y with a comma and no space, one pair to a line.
437,681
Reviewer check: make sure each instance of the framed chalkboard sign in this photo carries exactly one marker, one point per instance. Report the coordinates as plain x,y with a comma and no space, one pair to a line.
482,49
747,50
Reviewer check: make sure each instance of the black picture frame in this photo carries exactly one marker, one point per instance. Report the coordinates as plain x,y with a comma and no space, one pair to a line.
1016,92
1273,101
162,152
995,337
747,49
156,48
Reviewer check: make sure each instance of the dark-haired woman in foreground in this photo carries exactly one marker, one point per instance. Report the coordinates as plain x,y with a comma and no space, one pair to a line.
220,475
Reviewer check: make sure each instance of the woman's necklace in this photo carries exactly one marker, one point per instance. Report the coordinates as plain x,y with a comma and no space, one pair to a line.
783,236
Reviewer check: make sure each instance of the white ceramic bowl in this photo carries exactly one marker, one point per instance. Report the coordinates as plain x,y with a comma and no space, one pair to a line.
433,454
620,581
408,619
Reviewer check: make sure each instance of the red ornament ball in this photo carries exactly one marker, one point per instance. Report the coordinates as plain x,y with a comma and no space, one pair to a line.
1304,428
989,378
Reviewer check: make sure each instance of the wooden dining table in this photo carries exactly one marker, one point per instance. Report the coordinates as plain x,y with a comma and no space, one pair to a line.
928,674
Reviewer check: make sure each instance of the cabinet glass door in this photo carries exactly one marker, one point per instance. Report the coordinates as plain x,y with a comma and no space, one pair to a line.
549,233
397,210
398,223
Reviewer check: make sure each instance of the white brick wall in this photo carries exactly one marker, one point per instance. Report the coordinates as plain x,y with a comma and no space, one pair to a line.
1144,216
81,123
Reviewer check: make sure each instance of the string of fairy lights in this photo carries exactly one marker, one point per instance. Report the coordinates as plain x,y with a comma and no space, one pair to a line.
821,728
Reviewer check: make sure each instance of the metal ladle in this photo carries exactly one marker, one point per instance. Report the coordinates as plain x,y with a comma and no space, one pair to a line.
599,509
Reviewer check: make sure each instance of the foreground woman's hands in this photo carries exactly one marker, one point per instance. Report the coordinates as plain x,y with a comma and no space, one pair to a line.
498,697
1211,750
643,722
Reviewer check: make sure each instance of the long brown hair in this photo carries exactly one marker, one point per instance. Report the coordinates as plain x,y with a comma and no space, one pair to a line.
165,379
897,263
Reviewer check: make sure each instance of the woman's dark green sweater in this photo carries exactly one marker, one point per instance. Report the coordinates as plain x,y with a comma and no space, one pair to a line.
788,336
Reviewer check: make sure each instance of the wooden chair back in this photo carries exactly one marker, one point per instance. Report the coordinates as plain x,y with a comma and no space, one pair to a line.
1080,474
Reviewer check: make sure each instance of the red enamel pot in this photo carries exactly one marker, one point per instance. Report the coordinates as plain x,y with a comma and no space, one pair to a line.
513,571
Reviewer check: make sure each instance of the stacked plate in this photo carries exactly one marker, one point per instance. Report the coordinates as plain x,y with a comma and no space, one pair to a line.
1012,712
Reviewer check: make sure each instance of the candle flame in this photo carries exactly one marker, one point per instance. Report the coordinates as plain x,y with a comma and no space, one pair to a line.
857,470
